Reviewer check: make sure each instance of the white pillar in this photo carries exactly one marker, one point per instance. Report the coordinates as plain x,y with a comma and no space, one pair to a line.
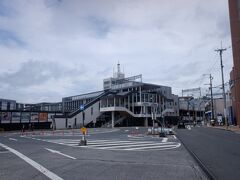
113,117
146,122
140,92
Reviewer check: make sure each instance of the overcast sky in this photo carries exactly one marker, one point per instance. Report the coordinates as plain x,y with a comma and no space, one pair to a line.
50,49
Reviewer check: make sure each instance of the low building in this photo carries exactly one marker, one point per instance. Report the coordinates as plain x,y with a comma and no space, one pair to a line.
191,109
218,109
7,104
44,106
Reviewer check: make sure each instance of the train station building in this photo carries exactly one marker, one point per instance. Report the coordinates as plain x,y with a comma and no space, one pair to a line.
124,101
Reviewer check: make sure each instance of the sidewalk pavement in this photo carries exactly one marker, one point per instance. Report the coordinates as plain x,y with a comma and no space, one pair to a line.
235,129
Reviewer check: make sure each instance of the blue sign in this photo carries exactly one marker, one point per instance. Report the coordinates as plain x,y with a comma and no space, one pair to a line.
82,107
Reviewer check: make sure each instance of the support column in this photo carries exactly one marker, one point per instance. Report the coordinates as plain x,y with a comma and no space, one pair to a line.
140,92
146,122
113,118
133,102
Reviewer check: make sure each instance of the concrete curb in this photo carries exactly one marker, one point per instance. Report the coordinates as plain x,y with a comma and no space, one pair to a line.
209,174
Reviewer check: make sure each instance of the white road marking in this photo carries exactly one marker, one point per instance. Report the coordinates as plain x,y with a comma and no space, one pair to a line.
62,143
123,144
152,147
114,144
142,146
137,137
73,140
174,137
12,139
39,167
58,152
164,139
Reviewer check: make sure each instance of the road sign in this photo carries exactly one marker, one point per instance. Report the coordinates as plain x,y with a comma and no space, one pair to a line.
82,107
84,130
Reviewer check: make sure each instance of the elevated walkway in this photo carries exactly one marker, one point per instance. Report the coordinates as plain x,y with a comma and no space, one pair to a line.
86,106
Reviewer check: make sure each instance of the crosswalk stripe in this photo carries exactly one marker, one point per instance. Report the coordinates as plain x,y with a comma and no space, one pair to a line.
133,145
60,143
154,147
114,144
164,139
121,144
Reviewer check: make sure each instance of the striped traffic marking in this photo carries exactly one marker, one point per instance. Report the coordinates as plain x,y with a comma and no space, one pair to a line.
37,166
127,145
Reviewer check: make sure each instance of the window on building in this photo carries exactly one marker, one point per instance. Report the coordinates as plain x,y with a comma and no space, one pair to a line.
91,110
8,105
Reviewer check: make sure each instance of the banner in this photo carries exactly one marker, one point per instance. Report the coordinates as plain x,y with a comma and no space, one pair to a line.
50,115
6,117
43,117
34,117
16,117
25,117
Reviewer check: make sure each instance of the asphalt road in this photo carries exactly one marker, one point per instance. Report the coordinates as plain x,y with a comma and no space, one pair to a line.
110,154
218,150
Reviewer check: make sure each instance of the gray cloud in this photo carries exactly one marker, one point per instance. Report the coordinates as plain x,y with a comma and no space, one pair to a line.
75,44
37,72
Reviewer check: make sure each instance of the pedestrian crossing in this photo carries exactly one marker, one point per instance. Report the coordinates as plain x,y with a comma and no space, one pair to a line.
111,144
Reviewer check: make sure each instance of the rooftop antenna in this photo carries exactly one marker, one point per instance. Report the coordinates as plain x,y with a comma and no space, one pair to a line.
119,70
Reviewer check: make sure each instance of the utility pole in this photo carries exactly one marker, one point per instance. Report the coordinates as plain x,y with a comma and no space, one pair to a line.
212,109
223,87
211,78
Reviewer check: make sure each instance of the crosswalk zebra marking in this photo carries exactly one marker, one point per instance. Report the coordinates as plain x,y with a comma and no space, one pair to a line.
164,139
128,145
154,147
117,144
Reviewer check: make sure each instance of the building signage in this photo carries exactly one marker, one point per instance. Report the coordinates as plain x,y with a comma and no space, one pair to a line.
43,117
16,117
34,117
25,117
50,117
6,117
82,107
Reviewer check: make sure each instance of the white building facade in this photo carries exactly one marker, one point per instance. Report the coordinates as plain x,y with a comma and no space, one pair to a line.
123,102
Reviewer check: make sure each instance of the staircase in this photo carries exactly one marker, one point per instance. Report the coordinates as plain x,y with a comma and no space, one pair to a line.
89,104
